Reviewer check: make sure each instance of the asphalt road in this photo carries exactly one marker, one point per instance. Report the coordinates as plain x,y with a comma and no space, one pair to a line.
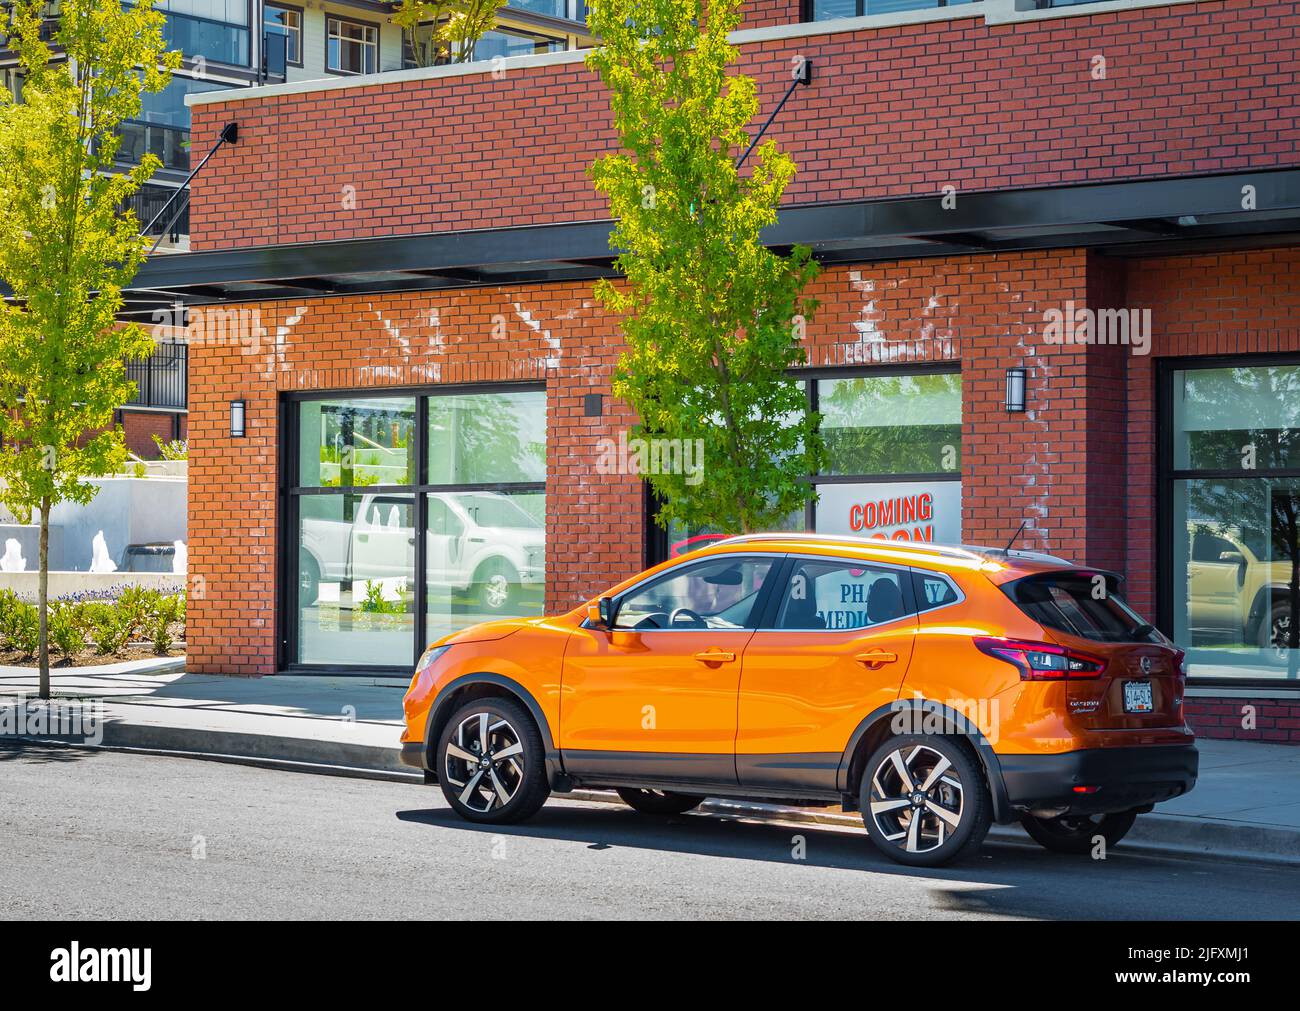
92,835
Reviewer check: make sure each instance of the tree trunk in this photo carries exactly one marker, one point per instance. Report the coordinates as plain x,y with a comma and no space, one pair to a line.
42,600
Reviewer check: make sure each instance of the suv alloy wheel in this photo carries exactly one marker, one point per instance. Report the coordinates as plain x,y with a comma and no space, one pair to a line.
491,762
924,800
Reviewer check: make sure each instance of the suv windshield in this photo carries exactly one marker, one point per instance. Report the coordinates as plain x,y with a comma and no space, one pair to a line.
1085,604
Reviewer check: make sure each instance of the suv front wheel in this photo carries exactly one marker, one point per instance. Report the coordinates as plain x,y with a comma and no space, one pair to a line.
491,762
924,800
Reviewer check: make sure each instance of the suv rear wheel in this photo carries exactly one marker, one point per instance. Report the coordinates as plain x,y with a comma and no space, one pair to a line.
1077,834
491,762
924,800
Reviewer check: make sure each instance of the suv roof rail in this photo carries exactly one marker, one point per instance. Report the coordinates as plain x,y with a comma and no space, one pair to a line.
947,550
971,552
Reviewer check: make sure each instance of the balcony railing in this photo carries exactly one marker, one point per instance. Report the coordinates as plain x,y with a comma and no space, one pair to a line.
170,144
162,379
218,41
148,200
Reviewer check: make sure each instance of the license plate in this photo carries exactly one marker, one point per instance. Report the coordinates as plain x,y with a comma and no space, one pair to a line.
1137,697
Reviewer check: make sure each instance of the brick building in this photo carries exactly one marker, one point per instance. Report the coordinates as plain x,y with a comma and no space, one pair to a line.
399,377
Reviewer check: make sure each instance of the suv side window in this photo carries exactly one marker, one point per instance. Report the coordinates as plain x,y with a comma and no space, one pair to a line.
720,593
932,590
840,596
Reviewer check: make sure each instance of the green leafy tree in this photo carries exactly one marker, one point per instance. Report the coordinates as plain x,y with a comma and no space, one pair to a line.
444,31
66,250
711,317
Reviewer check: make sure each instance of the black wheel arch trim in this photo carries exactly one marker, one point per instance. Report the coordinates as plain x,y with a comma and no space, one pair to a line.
441,710
959,724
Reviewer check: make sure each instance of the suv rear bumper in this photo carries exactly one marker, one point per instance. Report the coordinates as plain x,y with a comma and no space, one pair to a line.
1125,778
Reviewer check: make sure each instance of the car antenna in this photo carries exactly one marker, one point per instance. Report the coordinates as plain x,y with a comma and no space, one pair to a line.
1019,529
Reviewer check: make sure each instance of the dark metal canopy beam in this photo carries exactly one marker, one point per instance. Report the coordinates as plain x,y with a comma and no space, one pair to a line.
1137,214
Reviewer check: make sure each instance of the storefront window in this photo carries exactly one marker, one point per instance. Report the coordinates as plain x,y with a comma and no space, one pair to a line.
487,438
355,443
1236,520
487,507
894,448
368,469
356,579
893,468
894,424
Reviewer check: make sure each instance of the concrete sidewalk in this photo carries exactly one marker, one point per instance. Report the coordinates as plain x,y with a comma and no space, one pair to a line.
1246,804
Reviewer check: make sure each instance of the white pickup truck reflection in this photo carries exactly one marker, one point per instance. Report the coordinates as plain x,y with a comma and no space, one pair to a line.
478,542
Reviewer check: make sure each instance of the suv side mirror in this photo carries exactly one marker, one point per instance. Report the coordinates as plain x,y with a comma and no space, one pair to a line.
601,613
1232,557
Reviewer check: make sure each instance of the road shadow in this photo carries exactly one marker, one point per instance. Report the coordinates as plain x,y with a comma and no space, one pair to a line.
1005,879
42,752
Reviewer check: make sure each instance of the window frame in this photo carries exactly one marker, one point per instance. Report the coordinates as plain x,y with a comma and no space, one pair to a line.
291,8
1166,476
354,23
808,9
656,544
290,492
918,574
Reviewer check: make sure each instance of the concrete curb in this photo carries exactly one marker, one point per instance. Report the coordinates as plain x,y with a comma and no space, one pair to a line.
1154,834
147,665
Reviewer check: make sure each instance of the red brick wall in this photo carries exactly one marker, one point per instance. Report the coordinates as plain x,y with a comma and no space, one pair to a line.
1275,720
988,311
767,13
139,428
1190,88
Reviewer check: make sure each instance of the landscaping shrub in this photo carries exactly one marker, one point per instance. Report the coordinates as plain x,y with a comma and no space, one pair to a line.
8,602
23,628
67,628
135,604
110,627
157,627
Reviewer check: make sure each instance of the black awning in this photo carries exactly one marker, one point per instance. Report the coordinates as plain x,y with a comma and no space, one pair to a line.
1145,217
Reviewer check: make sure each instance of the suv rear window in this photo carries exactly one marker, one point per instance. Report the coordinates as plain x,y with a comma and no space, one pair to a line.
1085,604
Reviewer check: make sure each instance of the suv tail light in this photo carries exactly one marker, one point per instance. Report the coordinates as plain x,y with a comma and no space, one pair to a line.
1042,661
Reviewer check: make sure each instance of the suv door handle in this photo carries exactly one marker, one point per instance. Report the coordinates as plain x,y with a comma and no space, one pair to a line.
715,656
876,658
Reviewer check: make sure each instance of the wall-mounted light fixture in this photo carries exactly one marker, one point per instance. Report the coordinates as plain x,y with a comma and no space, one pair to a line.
1016,389
238,409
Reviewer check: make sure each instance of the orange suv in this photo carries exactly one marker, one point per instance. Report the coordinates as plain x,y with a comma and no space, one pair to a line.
935,689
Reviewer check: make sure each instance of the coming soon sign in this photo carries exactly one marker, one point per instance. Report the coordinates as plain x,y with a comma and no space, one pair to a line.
909,511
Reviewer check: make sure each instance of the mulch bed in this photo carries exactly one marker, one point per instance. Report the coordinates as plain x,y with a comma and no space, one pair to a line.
86,658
